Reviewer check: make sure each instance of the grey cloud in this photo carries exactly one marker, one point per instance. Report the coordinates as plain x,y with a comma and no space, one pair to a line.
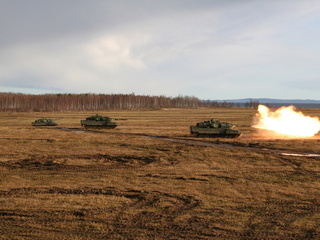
30,20
195,47
312,84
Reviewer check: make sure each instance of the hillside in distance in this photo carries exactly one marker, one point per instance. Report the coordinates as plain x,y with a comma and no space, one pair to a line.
299,103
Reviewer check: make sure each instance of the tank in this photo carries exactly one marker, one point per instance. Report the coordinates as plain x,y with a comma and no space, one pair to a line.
100,122
214,128
44,122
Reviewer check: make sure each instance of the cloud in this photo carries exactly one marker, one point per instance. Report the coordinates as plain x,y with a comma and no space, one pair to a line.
210,49
110,52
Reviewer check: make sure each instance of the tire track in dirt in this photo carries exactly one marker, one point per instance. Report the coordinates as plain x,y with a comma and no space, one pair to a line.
175,177
147,213
275,215
142,197
202,142
29,139
94,161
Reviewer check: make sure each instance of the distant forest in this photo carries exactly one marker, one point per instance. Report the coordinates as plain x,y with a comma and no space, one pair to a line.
20,102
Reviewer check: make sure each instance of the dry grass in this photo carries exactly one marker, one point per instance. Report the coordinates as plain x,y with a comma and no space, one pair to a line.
137,182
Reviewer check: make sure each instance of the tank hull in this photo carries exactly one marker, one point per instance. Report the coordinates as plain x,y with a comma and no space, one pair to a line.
214,132
44,122
98,124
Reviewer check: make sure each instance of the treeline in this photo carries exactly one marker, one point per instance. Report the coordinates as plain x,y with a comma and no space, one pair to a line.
94,102
87,102
225,104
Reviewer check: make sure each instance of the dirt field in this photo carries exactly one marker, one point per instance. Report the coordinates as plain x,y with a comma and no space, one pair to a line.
150,179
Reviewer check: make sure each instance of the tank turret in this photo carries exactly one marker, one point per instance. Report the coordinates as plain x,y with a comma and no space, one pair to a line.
44,122
100,122
214,128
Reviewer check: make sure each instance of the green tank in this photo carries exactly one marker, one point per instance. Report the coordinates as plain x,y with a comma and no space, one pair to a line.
214,128
44,122
100,122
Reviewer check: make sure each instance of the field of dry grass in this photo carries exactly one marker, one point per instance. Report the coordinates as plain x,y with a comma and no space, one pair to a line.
150,179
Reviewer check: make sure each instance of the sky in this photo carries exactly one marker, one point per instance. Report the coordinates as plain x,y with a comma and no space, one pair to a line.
210,49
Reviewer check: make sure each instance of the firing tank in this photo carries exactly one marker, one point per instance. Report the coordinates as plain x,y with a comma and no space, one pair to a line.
214,128
44,122
100,122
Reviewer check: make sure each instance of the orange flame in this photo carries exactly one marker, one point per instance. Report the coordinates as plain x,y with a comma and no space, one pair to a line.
286,121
